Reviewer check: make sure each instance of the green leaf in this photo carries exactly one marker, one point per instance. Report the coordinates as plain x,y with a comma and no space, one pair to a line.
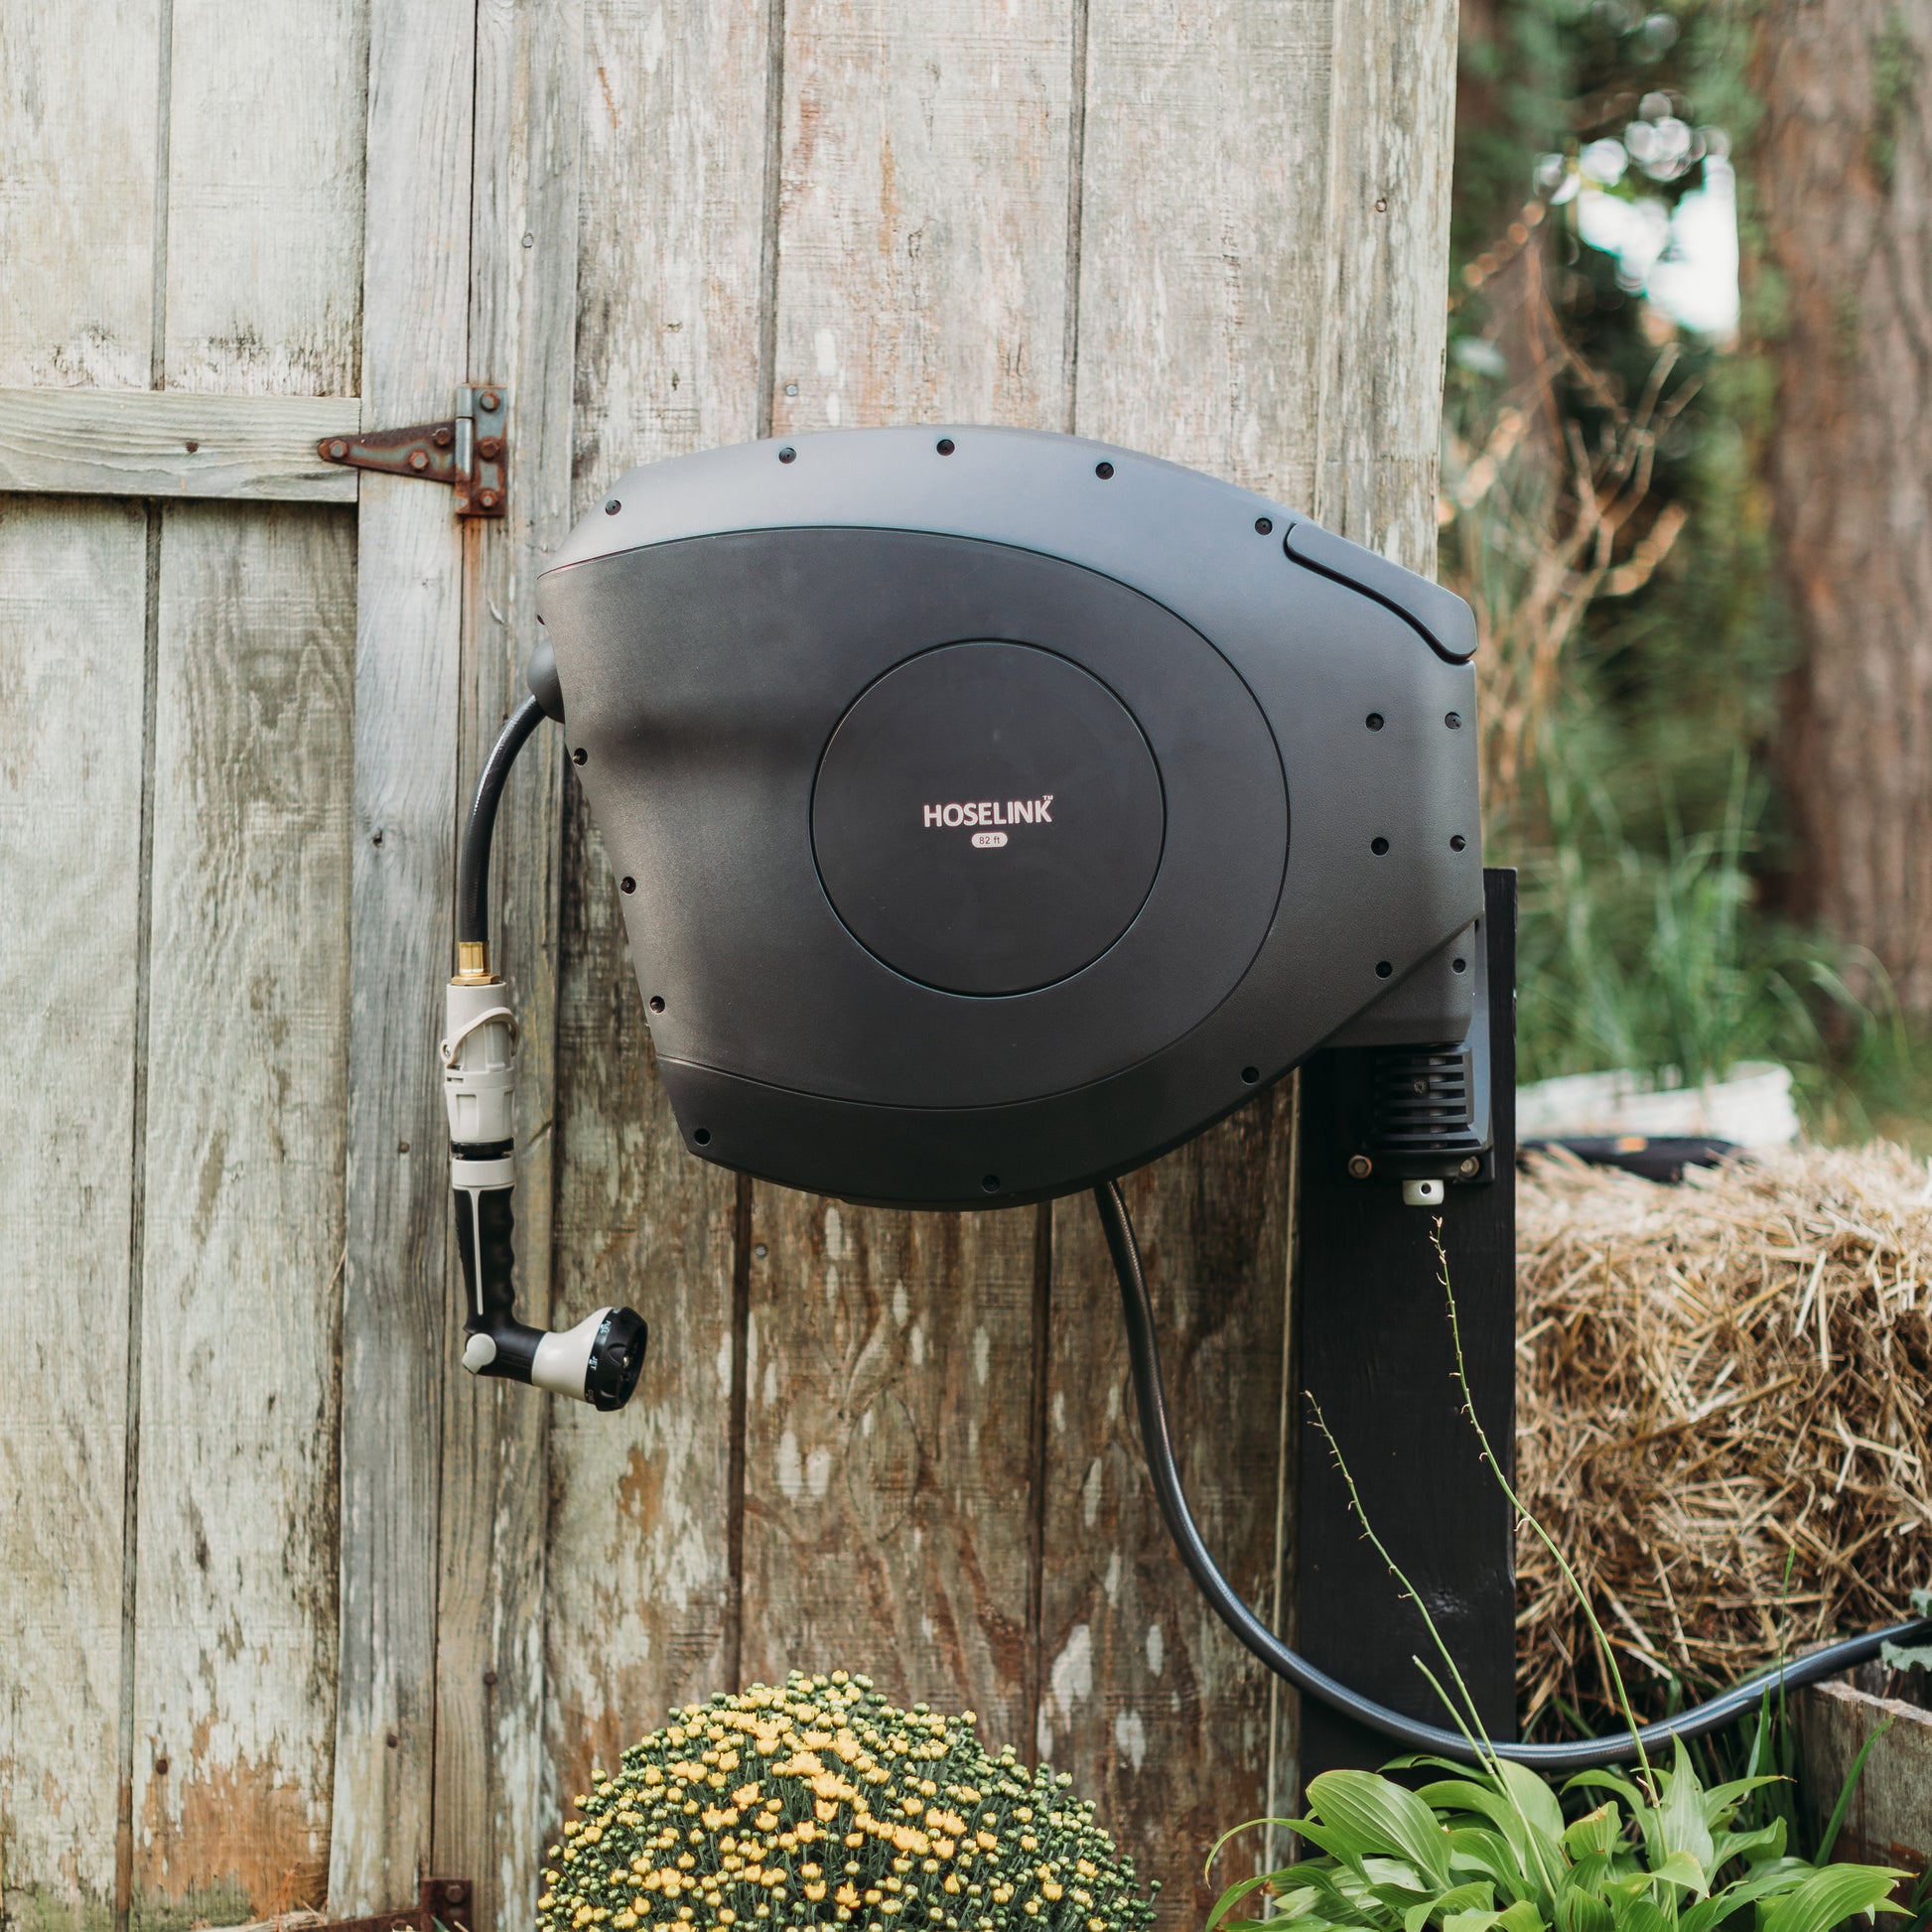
1640,1913
1609,1781
1485,1801
1381,1816
1721,1802
1534,1798
1905,1656
1682,1868
1679,1818
1579,1910
1474,1897
1339,1841
1597,1830
1236,1892
1753,1846
1589,1877
1477,1847
1522,1916
1397,1875
1235,1830
1836,1820
1764,1880
1829,1896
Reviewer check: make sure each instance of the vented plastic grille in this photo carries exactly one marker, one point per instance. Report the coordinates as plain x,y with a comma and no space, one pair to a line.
1420,1101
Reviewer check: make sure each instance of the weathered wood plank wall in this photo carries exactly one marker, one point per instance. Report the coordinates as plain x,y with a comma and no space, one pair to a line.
367,1617
79,163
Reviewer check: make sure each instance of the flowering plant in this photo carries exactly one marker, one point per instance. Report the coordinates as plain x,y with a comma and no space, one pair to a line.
820,1804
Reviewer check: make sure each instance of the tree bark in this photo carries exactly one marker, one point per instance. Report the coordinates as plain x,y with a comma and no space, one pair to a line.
1843,169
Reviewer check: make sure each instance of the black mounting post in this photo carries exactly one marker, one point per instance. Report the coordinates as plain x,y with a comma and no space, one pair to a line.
1375,1351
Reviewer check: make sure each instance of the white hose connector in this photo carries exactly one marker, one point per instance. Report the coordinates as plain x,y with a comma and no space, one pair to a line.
563,1362
478,1056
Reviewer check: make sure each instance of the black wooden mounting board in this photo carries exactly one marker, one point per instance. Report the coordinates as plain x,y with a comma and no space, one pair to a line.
1375,1351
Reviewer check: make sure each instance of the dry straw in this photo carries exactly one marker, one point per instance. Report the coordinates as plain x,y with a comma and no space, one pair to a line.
1726,1414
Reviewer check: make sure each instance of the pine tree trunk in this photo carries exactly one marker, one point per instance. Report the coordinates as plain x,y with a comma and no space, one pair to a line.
1843,171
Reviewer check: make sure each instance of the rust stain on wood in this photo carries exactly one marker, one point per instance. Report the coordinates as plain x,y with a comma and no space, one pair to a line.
246,1826
641,1489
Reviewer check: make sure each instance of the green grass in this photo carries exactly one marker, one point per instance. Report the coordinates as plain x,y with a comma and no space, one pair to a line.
1663,961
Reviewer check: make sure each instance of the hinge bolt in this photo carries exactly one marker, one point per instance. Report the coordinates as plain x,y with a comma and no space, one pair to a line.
491,448
492,401
339,448
487,498
443,438
418,460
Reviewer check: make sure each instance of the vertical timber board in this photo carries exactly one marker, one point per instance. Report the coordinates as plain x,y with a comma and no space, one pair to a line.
78,141
79,145
638,1591
1201,279
235,1594
1384,312
1147,1698
235,1634
922,213
395,1318
73,590
921,275
494,1490
1201,233
888,1473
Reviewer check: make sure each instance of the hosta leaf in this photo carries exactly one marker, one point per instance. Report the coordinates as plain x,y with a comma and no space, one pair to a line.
1829,1896
1680,1868
1534,1798
1485,1801
1470,1922
1590,1873
1476,1898
1597,1830
1235,1830
1753,1846
1382,1817
1608,1781
1474,1848
1721,1802
1640,1913
1579,1909
1522,1916
1236,1892
1764,1880
1681,1816
1297,1900
1337,1839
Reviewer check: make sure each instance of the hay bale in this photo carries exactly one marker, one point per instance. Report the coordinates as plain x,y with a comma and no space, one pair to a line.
1716,1380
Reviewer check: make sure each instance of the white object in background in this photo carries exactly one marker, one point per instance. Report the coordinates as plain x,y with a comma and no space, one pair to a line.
1751,1105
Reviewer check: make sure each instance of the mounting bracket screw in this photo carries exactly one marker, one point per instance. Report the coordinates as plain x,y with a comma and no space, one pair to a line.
1360,1167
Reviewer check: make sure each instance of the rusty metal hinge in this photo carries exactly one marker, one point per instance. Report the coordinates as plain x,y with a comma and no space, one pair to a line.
469,452
444,1901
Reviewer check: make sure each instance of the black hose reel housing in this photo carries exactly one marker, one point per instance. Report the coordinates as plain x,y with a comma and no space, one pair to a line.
996,810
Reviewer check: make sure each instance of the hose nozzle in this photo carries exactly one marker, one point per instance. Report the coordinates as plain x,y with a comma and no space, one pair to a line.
600,1360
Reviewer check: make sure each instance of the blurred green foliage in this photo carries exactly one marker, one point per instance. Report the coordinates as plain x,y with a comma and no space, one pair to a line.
1622,559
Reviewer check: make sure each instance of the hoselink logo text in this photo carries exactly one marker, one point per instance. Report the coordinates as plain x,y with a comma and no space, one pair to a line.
1011,811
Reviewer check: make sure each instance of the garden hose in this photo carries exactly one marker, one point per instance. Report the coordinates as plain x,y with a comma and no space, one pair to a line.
1411,1734
600,1360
